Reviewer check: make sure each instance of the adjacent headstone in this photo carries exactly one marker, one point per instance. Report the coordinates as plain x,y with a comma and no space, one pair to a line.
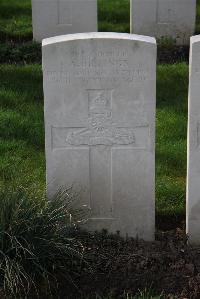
100,96
174,19
57,17
193,168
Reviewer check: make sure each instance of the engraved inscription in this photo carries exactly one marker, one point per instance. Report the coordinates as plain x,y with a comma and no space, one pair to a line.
102,66
97,74
64,8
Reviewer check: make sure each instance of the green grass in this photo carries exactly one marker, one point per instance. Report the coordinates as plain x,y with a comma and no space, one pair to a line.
114,15
22,159
37,247
172,89
21,123
16,20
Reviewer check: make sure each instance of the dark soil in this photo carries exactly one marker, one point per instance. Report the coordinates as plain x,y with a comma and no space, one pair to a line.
173,54
169,222
170,266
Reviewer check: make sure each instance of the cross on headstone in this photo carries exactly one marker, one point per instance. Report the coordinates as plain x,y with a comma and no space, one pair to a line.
99,95
59,17
64,9
163,16
173,19
102,136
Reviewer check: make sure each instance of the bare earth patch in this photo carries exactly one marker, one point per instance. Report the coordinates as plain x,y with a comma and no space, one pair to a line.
170,265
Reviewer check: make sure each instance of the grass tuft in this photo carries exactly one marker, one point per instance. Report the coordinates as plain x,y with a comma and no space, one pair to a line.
36,243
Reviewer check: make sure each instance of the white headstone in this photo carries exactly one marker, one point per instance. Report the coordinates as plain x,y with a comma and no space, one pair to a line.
164,19
100,95
56,17
193,168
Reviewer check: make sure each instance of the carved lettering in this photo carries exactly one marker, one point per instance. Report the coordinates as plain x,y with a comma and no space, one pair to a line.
96,74
113,66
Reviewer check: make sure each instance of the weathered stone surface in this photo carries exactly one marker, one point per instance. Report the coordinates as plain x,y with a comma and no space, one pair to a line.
57,17
100,95
193,168
164,18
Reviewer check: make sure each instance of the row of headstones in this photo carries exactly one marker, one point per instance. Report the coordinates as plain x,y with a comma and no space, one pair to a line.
159,18
100,99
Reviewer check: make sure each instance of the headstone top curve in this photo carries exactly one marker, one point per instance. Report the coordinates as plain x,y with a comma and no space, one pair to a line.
171,19
195,39
99,111
98,35
57,17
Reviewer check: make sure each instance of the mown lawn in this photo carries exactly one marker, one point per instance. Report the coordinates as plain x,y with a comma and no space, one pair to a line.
113,15
22,159
172,93
15,20
21,127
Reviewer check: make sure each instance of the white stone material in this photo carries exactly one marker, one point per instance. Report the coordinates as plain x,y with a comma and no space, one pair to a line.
100,97
164,19
56,17
193,167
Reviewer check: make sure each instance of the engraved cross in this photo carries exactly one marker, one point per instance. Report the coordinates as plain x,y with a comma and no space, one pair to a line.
102,136
160,19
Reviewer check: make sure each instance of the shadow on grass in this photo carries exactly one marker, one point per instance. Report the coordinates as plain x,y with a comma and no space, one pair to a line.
172,86
15,20
21,107
26,79
12,9
170,222
172,161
